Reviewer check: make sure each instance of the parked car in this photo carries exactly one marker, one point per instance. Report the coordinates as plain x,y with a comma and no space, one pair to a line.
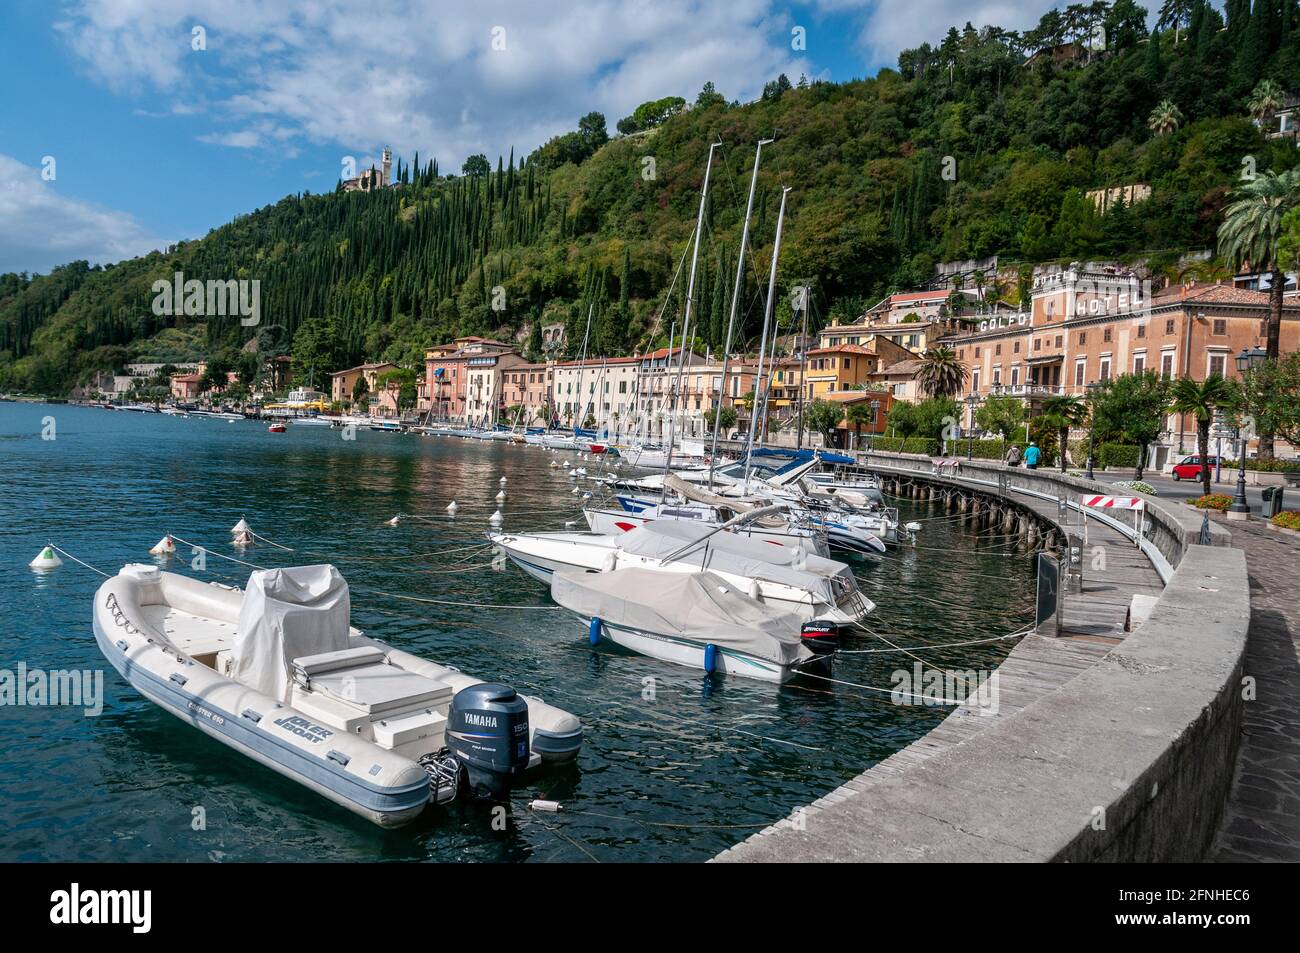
1190,467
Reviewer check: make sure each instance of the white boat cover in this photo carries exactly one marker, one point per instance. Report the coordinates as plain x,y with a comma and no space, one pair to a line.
740,555
699,607
287,614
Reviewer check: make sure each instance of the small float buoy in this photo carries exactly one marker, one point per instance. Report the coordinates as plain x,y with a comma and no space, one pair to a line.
569,524
577,490
555,463
503,481
585,496
495,518
244,539
240,527
395,520
501,496
46,559
573,474
538,804
164,547
453,507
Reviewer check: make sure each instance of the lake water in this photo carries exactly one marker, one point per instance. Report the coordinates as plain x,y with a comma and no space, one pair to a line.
677,774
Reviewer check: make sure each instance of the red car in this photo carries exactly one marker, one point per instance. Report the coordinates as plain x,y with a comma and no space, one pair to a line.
1190,468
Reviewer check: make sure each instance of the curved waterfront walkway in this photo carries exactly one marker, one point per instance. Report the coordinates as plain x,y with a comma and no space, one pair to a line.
1112,742
1262,820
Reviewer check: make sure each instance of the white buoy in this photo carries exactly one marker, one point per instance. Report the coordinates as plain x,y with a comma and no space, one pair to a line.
555,463
501,496
503,481
47,558
573,473
395,520
453,508
539,804
577,490
244,539
164,547
495,518
240,527
586,496
569,524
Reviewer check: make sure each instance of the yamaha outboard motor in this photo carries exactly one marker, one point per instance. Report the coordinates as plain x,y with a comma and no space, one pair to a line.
487,731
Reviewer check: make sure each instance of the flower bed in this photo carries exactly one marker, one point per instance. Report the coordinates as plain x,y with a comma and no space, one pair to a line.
1137,486
1212,501
1287,519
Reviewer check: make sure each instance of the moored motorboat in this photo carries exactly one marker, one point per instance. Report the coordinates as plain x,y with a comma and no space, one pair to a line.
277,673
695,619
276,428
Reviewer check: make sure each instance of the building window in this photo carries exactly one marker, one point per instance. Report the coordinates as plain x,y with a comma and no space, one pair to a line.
1169,326
1038,344
1083,337
997,350
1141,330
1015,376
975,382
977,353
1220,327
1015,347
1139,363
1105,336
848,363
997,375
1218,362
1167,365
1080,369
1105,369
1060,340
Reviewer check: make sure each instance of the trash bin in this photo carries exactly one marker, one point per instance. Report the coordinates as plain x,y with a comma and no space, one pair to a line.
1272,502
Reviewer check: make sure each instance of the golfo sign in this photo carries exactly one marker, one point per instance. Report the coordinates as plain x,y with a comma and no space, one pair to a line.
1114,502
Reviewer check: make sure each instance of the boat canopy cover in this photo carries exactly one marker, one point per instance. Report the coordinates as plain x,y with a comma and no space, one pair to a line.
287,614
798,456
700,607
739,555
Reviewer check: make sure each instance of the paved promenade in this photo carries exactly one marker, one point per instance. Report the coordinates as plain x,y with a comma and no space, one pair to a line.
1262,821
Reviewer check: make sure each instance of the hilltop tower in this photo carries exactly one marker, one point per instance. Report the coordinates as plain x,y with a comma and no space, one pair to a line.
387,168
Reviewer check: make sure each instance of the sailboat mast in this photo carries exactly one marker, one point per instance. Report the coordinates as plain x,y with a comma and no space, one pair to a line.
582,358
735,300
768,314
690,298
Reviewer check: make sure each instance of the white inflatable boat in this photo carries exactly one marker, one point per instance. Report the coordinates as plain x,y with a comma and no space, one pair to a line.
277,673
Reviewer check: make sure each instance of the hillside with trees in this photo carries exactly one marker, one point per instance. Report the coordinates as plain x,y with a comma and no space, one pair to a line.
984,143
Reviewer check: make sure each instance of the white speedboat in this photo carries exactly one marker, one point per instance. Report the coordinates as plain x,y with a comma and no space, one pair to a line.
777,531
696,619
311,421
277,673
808,585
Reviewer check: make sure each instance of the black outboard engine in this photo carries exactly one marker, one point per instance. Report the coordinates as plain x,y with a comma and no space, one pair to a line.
487,731
821,637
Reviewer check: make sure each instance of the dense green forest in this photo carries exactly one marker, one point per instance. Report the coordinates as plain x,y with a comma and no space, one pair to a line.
982,144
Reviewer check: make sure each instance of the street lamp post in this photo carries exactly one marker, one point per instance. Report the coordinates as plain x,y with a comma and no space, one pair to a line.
1247,361
1091,388
971,401
875,422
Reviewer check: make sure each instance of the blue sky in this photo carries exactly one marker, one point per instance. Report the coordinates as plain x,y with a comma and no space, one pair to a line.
153,140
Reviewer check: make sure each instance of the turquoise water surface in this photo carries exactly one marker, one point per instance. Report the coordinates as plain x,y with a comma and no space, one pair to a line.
674,774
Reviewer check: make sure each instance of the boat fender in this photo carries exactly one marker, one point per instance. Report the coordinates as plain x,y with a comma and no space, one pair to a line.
540,805
710,658
593,631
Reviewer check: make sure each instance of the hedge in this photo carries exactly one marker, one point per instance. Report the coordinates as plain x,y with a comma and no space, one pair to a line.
906,445
1265,466
1117,455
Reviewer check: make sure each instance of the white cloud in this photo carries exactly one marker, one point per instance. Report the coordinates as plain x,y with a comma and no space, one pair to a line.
43,228
424,75
896,25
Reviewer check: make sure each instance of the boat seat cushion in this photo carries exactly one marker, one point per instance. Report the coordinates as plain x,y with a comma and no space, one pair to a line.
381,689
323,662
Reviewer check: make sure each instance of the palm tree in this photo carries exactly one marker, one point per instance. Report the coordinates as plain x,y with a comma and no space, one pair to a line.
1063,413
1252,225
1201,399
1164,118
941,374
1265,100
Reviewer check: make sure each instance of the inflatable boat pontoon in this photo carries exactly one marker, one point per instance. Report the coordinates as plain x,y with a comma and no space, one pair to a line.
277,673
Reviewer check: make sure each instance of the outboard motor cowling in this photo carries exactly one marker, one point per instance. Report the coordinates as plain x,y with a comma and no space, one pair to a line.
487,731
821,637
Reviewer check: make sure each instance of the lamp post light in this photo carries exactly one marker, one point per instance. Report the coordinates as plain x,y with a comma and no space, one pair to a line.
971,401
1091,388
1247,361
875,422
